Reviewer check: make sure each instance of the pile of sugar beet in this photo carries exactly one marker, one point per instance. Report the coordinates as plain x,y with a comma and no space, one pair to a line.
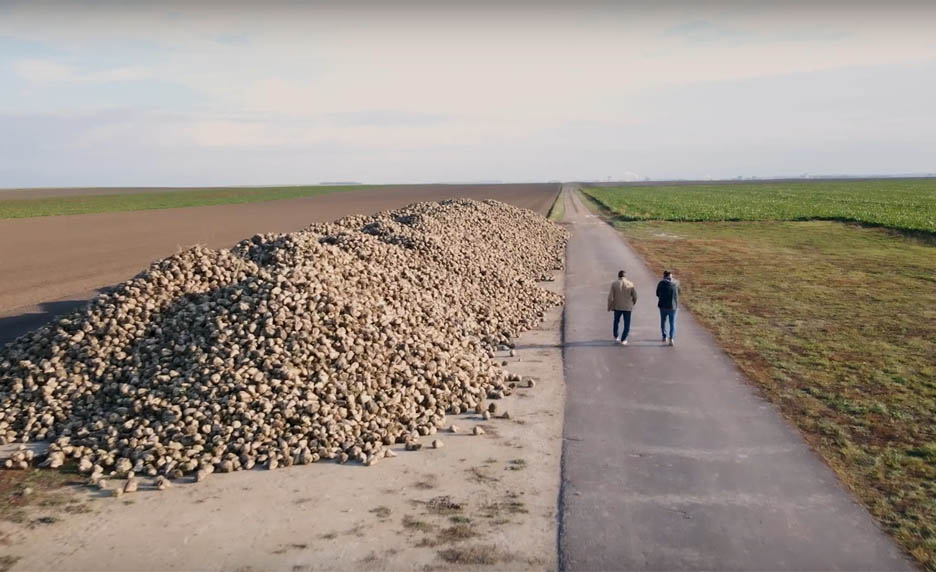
329,343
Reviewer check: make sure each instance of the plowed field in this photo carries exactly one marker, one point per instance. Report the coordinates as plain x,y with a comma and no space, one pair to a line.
51,264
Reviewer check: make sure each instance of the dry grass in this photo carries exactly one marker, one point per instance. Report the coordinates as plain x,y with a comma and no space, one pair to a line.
444,505
450,535
516,464
479,475
456,533
412,523
490,431
510,504
23,493
287,547
483,554
381,512
837,324
427,482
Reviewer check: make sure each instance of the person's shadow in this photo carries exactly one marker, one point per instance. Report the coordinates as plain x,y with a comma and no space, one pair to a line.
650,343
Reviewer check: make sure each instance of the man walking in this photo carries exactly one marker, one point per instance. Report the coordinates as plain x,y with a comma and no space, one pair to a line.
668,293
621,300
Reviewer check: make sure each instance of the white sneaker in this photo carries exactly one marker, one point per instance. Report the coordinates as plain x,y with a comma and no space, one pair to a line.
672,342
623,342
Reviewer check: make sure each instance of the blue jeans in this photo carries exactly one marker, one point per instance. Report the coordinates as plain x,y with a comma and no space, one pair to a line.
671,315
617,317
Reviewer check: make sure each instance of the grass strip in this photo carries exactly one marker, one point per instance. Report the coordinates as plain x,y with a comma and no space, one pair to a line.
86,204
557,210
837,324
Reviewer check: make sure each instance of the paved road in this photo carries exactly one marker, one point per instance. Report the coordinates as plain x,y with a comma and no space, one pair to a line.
670,460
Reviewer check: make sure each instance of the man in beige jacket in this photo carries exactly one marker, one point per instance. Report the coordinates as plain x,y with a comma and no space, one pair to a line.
621,300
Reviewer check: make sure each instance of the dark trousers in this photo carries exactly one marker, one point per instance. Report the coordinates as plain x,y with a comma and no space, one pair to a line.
617,317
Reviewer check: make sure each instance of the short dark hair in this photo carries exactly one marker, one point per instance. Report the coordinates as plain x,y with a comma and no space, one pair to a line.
667,274
620,274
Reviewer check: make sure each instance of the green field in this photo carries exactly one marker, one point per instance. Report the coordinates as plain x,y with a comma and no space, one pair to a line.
902,204
836,323
85,204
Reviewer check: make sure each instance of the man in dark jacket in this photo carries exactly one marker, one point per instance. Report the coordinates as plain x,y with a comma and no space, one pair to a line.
668,293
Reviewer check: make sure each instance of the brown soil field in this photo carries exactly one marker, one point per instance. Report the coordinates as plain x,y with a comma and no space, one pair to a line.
49,265
49,192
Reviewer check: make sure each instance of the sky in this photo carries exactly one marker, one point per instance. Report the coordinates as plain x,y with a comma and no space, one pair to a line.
184,94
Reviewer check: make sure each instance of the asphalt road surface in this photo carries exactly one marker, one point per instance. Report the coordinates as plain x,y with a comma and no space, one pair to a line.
671,461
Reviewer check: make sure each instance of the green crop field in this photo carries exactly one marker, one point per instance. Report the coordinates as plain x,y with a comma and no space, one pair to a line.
85,204
902,204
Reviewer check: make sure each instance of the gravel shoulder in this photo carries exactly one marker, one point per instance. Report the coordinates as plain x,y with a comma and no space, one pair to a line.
476,502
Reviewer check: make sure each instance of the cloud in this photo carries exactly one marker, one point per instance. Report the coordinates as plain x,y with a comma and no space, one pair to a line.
460,92
700,31
389,117
39,71
125,131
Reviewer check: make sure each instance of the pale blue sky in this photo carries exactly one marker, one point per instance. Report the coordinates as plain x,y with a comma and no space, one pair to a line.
205,94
